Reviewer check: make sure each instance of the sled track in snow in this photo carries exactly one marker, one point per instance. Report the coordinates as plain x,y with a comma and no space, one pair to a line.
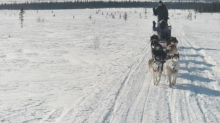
62,79
136,99
188,104
186,43
122,88
148,103
135,66
196,109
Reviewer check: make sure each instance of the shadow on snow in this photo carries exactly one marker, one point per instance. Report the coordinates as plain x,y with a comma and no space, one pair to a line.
197,49
196,62
198,89
194,69
194,77
192,55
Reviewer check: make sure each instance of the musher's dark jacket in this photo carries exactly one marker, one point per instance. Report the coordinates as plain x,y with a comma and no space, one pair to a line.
162,12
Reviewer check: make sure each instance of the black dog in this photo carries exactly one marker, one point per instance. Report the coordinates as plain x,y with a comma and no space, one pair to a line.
157,51
156,48
159,54
155,44
154,37
154,41
160,57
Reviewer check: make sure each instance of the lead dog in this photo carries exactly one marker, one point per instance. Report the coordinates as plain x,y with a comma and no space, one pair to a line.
154,67
171,69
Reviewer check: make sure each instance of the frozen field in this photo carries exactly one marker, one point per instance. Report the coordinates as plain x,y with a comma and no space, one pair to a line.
65,69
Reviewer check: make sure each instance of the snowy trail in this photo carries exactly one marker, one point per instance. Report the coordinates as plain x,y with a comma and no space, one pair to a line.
54,75
199,73
189,101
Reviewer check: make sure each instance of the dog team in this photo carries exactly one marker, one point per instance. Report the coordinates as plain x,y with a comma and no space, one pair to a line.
165,56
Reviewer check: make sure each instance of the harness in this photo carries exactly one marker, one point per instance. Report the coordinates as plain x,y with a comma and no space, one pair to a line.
160,62
171,57
159,66
176,55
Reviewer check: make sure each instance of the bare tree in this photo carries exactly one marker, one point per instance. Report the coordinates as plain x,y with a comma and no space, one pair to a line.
40,19
21,16
125,16
113,16
189,16
90,17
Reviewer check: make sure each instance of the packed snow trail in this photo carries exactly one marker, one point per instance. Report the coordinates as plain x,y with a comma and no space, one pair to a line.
56,75
193,99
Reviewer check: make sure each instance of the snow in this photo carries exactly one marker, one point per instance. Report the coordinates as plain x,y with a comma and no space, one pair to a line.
50,71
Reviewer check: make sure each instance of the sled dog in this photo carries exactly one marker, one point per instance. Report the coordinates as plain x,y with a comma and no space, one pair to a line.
171,69
171,50
154,66
171,40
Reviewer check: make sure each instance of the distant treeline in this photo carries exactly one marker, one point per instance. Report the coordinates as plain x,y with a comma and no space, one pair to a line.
209,7
198,6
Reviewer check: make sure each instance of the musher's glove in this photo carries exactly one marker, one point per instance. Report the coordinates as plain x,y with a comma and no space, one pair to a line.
154,24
